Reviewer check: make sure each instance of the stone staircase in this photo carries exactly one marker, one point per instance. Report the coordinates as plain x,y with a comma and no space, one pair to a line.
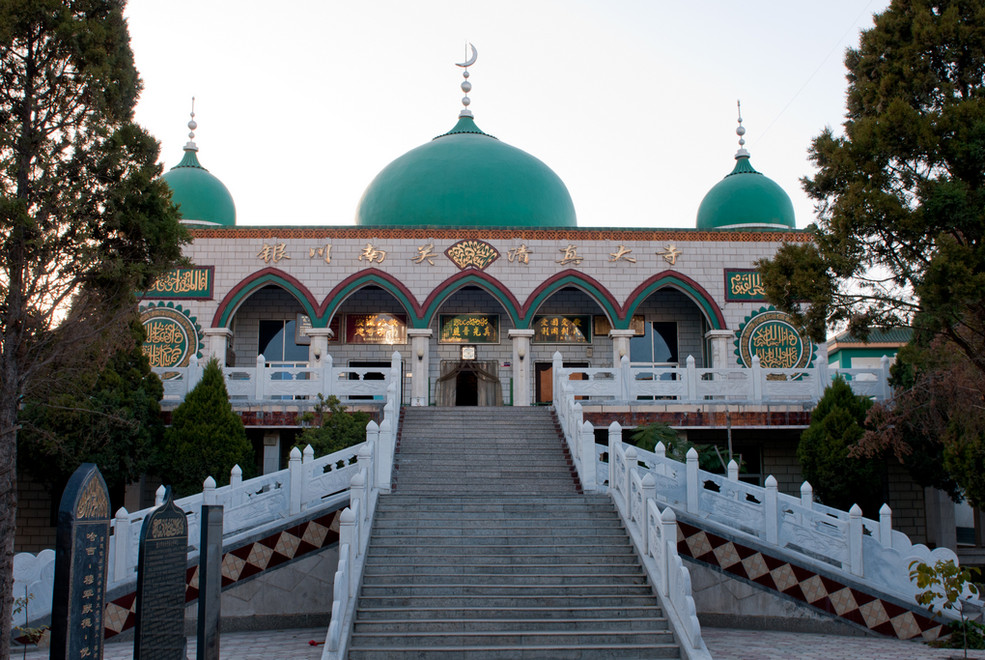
487,549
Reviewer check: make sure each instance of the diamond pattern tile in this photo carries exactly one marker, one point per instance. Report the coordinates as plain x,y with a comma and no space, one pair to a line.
806,585
238,564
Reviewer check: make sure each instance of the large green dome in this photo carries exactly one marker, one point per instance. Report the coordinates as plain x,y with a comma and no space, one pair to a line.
745,199
202,199
466,178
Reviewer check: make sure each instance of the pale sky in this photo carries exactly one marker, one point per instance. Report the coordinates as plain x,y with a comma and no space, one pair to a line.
300,103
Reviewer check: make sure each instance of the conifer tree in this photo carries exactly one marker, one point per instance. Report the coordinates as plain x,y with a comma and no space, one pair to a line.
84,218
840,479
206,437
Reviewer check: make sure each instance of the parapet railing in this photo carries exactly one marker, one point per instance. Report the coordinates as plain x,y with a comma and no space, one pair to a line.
689,384
840,542
248,506
285,380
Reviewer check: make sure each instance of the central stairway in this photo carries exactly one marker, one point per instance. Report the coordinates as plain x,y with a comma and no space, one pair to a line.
487,549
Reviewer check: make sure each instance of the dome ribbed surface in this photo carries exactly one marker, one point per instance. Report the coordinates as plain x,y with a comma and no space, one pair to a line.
746,199
200,196
466,178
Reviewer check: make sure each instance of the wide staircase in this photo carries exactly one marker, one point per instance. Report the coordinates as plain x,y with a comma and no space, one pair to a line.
487,549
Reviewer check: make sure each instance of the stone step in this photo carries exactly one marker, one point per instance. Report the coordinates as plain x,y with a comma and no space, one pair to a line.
522,580
653,624
490,525
481,569
574,652
424,558
465,601
512,638
588,613
580,589
382,547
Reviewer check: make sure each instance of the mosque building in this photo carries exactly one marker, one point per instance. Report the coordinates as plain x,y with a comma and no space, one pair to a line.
466,257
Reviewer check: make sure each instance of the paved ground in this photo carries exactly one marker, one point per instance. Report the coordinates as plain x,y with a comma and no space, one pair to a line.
724,644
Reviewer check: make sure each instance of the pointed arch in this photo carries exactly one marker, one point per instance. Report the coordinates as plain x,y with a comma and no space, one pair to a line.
690,288
256,281
589,285
487,283
364,278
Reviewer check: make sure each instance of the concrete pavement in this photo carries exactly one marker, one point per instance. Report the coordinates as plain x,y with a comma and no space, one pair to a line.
724,644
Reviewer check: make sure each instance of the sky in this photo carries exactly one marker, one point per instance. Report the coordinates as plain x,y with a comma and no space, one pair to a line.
300,103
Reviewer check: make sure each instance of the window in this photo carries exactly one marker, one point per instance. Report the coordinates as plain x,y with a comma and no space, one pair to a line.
657,345
277,342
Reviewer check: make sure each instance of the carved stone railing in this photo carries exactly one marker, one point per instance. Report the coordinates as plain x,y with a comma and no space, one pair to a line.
689,384
280,381
249,506
841,542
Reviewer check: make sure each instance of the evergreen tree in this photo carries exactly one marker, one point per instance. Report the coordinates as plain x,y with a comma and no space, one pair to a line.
900,196
825,452
206,437
84,219
336,428
111,418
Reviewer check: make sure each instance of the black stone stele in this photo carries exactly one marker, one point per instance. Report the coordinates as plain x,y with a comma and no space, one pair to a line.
209,582
81,543
160,625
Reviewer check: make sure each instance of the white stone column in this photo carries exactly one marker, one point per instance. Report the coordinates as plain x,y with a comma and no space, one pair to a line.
420,351
217,343
319,345
521,366
620,344
721,344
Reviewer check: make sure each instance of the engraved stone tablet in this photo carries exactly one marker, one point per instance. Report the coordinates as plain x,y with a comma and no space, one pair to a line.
81,541
160,626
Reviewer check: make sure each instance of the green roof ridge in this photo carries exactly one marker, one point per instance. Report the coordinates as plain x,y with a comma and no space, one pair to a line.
190,159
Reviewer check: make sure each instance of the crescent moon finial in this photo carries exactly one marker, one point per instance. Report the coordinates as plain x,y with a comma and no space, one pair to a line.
466,85
471,60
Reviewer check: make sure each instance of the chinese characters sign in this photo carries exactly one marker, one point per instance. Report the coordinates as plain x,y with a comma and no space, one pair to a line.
742,285
376,328
172,336
469,329
562,329
189,283
770,336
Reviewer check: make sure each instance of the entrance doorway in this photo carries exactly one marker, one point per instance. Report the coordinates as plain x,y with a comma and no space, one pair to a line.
466,389
469,383
544,378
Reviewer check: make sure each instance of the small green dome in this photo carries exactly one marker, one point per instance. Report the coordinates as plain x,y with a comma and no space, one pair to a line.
202,199
745,199
466,178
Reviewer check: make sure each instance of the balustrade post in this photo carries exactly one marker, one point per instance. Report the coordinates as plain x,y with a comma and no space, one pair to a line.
886,526
347,539
821,369
557,363
208,491
121,546
733,470
328,383
807,495
626,376
692,480
357,500
661,452
261,376
757,379
382,475
648,492
364,459
588,462
668,547
159,495
235,476
615,439
307,455
574,428
387,439
855,540
692,380
296,477
627,485
771,521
